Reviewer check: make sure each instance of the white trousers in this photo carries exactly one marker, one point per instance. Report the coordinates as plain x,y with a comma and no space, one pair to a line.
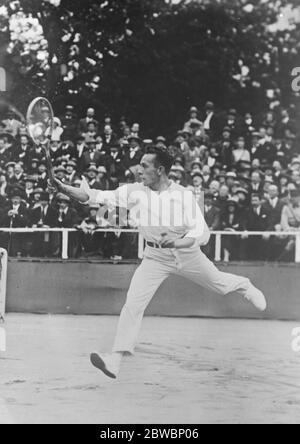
156,266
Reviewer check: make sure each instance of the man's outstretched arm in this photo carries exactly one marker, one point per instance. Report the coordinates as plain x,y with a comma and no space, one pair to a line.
78,194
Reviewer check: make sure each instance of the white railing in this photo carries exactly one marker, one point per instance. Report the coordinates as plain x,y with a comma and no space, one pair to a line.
141,244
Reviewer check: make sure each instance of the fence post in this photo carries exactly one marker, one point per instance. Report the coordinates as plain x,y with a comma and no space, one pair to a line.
297,253
141,246
3,281
65,244
218,248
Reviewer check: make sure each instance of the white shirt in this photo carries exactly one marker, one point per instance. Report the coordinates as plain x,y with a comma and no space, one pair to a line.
207,121
173,211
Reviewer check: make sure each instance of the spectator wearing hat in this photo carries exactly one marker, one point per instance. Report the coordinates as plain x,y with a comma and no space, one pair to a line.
193,116
12,125
102,178
135,130
257,185
91,241
19,175
240,153
109,138
42,175
248,127
15,216
210,121
196,187
283,182
30,183
231,121
65,217
193,154
5,153
231,221
273,209
92,155
181,145
22,151
89,118
66,150
80,149
92,173
32,169
60,173
116,166
58,131
256,220
42,216
71,172
134,155
69,123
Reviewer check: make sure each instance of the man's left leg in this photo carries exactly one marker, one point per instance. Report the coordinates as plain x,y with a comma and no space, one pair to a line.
199,269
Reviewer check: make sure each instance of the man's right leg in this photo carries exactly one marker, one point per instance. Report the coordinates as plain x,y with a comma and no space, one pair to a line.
146,280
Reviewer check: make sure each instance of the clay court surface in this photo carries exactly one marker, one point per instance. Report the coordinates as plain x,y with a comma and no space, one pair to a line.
185,371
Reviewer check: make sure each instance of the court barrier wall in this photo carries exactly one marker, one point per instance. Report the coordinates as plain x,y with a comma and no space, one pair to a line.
86,288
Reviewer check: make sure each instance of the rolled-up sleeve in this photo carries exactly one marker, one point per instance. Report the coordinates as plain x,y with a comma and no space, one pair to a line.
194,220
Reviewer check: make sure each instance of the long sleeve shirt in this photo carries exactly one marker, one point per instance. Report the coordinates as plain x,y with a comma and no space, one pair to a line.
173,211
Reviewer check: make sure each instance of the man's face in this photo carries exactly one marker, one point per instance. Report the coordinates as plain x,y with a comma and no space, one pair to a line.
70,169
135,128
273,191
197,181
107,130
241,144
92,175
296,176
256,164
61,175
2,144
255,201
29,185
92,146
42,169
16,200
91,128
255,178
63,205
24,140
93,213
214,186
18,170
91,113
150,173
224,191
226,135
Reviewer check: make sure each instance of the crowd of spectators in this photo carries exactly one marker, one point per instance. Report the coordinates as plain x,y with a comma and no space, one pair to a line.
248,168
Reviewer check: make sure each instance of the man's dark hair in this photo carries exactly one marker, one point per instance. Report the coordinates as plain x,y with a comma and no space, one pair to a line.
163,157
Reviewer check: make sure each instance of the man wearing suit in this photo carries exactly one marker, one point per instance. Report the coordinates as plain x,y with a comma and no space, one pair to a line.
12,125
134,155
42,216
116,166
22,152
90,118
273,208
210,122
5,153
15,216
65,217
256,220
91,156
109,138
257,186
